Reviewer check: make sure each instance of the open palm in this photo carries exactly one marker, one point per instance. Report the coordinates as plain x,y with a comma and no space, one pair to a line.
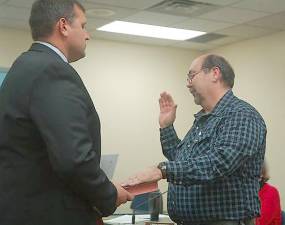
167,110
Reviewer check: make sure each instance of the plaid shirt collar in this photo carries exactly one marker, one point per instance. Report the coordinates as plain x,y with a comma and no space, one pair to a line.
219,107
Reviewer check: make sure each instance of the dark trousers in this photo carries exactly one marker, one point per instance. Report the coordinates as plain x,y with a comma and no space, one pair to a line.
223,222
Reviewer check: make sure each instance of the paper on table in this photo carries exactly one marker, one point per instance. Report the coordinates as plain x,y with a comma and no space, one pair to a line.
127,219
142,188
108,164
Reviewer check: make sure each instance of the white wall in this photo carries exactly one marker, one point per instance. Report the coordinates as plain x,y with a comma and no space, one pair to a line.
12,43
260,79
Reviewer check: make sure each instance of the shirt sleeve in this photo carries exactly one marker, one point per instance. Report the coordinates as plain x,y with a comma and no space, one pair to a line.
59,108
239,137
169,142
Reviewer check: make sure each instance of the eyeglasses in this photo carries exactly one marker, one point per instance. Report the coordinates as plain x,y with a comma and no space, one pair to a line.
190,76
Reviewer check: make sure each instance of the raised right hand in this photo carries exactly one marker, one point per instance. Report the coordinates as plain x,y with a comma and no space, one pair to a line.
123,196
167,110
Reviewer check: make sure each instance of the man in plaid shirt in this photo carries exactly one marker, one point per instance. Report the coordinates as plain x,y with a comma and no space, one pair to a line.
213,173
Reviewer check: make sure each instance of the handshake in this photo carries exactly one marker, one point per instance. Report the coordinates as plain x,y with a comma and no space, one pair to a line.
142,182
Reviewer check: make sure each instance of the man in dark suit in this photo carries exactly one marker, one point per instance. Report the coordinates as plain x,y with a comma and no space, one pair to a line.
50,143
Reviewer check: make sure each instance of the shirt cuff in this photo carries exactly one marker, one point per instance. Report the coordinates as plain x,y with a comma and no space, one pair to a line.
176,171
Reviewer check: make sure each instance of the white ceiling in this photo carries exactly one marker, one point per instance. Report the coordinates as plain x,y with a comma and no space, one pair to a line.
236,19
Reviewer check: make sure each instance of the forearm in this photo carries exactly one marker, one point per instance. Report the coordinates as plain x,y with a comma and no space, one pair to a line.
198,170
169,141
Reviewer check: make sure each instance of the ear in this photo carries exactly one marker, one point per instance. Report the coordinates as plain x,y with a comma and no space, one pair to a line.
216,74
63,26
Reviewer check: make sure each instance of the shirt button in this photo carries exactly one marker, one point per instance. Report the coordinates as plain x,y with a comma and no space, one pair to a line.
188,146
197,128
200,133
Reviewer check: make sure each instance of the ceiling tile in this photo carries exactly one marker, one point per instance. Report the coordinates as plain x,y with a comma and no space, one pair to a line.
110,36
1,1
272,6
154,18
276,21
130,38
183,8
245,31
220,2
119,12
153,41
202,25
134,4
94,23
233,15
20,3
192,45
254,14
226,40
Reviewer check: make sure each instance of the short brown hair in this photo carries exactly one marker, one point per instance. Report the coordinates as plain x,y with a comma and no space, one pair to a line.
46,13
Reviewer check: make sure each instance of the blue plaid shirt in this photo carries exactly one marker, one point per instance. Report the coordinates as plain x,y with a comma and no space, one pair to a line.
213,173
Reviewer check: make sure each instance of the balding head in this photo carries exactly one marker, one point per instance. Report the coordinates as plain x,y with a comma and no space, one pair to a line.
210,61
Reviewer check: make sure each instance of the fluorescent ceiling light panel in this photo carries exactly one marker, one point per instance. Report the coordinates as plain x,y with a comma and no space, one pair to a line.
150,30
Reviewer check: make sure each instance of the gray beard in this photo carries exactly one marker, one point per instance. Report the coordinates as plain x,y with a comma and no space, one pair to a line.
197,98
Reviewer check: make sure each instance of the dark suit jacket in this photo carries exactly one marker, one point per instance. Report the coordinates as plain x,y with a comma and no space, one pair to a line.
50,146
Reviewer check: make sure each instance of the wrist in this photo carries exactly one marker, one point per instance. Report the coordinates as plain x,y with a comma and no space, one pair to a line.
162,167
162,126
